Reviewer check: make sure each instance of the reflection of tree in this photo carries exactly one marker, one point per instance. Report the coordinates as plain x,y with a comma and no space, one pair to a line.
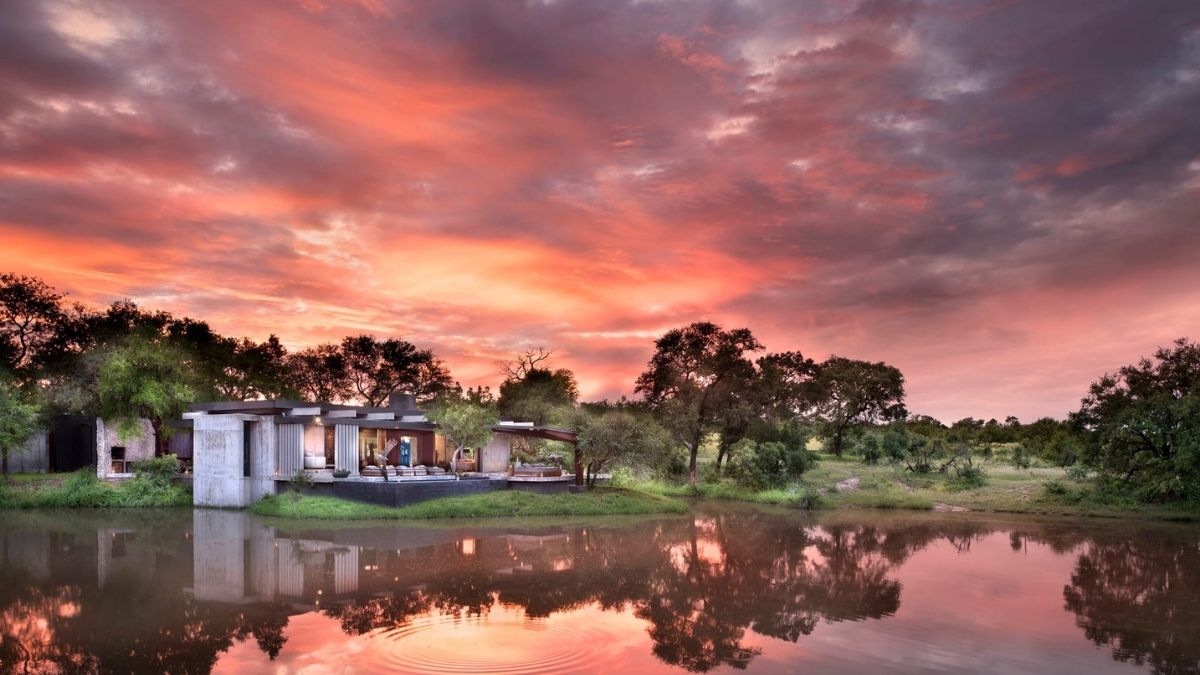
1141,598
701,584
364,617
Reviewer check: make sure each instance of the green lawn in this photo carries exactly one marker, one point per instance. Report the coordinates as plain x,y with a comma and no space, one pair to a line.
507,503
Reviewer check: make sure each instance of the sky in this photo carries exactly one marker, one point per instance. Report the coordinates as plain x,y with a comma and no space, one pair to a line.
999,197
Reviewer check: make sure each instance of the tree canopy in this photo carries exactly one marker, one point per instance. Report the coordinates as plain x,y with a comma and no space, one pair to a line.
693,379
143,377
19,418
850,392
1144,424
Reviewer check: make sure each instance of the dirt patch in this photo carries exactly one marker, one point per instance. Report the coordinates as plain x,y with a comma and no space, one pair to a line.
848,485
947,508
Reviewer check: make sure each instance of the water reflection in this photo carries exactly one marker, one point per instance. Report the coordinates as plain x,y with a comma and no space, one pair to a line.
177,592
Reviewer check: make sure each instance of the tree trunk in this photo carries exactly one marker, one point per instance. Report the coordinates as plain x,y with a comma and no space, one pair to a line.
720,456
837,442
155,427
5,462
693,452
578,470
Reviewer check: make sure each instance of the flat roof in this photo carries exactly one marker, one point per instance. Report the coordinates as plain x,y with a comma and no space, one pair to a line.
535,431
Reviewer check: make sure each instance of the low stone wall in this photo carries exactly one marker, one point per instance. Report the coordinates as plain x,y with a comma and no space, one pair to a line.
403,493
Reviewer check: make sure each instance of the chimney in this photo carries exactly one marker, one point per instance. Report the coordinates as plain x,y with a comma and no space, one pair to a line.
399,401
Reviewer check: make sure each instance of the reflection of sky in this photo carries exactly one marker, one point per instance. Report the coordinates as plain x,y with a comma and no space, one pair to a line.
997,197
986,609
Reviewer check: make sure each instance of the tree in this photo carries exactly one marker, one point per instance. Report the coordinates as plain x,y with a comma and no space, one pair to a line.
1142,424
379,368
608,437
464,424
517,367
30,316
319,373
19,419
692,379
538,392
851,392
143,377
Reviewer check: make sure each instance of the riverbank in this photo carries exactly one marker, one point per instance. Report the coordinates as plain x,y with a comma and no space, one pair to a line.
509,503
84,490
848,483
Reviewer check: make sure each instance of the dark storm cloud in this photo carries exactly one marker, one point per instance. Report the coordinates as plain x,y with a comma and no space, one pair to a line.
937,184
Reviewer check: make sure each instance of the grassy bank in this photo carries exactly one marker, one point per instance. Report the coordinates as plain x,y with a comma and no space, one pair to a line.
506,503
1005,489
85,490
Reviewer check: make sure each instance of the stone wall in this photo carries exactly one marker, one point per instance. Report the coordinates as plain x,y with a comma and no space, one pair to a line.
138,447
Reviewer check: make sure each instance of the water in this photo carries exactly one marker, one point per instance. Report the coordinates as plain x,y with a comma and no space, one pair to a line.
722,589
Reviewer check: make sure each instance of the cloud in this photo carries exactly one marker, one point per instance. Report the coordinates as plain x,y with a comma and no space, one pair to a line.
997,196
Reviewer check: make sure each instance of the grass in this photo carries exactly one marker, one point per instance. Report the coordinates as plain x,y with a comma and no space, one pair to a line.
508,503
84,490
1004,489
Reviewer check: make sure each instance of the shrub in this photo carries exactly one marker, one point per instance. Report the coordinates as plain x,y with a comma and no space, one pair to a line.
895,443
159,469
870,448
300,481
918,456
1020,457
1056,489
765,465
968,476
1077,472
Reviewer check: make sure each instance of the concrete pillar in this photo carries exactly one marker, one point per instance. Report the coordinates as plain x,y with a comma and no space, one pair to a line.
494,456
345,448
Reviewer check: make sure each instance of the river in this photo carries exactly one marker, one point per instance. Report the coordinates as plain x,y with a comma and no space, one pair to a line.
721,589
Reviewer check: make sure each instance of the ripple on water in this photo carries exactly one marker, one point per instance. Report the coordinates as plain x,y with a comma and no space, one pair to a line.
504,641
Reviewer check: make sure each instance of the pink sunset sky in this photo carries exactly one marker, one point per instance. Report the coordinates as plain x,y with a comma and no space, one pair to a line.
1001,198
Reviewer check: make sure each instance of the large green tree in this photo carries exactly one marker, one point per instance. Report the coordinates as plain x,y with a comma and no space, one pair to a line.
613,435
693,380
1142,424
143,376
849,392
463,423
19,419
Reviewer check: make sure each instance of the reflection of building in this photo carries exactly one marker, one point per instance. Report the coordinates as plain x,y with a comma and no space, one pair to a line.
237,560
242,448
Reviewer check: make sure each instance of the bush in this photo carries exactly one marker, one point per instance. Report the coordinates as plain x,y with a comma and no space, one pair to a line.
895,444
159,469
1056,489
918,456
1077,472
759,466
968,476
1020,457
870,448
300,481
